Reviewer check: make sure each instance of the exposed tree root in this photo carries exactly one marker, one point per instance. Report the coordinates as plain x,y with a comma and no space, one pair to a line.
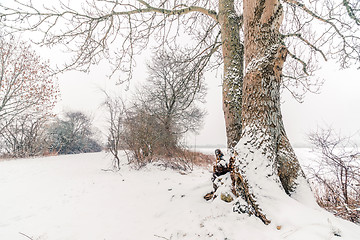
239,188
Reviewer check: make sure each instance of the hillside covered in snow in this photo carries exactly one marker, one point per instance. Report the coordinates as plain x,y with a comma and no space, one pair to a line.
72,198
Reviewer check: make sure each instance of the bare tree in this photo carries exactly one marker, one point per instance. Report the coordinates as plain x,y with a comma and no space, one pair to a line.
171,94
164,110
25,82
251,99
117,111
337,173
263,130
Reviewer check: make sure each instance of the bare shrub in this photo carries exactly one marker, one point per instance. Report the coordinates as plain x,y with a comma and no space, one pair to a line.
183,159
337,174
142,135
25,136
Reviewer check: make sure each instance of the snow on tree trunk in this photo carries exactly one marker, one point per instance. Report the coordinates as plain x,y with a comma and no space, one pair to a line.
265,166
261,115
233,52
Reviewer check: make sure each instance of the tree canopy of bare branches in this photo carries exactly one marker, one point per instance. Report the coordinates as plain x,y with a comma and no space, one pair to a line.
325,29
173,90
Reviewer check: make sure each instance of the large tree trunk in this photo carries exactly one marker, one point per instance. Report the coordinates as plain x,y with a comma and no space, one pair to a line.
233,52
261,116
265,165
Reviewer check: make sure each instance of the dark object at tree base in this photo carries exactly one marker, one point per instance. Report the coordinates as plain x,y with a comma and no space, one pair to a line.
239,188
220,168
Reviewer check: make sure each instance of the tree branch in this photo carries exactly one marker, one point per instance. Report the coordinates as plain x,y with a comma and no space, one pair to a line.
350,11
298,35
26,236
349,43
304,68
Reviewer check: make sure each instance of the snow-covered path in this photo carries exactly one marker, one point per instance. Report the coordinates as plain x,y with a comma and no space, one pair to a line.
71,198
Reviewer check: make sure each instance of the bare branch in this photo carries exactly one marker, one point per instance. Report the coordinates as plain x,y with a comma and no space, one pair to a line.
349,45
26,236
351,11
298,35
301,61
88,31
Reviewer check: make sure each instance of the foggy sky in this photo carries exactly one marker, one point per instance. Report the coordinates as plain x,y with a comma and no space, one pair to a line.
336,106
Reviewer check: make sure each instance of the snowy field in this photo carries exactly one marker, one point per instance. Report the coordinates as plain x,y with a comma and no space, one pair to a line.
72,198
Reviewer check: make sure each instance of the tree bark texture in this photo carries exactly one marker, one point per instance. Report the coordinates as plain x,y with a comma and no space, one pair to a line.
261,115
233,52
265,162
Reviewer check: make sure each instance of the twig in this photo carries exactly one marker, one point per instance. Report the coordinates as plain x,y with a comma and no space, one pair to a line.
26,235
161,237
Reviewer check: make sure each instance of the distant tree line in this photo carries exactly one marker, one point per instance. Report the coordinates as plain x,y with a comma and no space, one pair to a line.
149,128
31,135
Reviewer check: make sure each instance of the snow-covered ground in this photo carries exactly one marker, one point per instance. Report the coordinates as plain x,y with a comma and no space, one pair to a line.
72,198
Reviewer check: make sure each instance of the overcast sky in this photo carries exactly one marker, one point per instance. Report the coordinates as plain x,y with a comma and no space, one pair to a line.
337,106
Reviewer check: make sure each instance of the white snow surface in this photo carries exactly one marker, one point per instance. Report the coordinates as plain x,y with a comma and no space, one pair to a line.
72,198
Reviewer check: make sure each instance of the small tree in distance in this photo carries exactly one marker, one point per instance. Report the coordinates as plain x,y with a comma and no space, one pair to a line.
116,110
171,93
